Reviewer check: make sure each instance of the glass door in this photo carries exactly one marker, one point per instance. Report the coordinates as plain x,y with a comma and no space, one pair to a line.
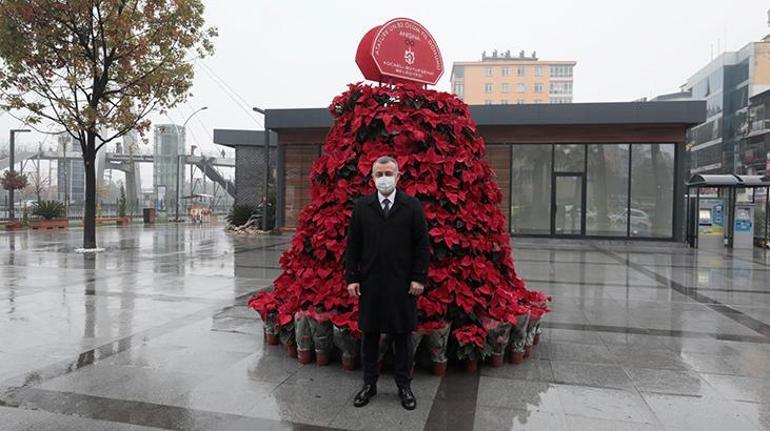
567,204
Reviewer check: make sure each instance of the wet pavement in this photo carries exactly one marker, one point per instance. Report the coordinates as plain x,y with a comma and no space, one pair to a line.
153,333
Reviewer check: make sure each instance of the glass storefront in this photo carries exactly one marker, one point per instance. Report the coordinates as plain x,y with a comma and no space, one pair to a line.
531,189
593,190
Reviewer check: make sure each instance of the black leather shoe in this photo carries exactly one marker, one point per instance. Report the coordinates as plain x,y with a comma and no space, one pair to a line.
407,397
364,395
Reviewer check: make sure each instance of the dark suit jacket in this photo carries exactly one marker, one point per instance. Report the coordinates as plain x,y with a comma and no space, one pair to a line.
385,254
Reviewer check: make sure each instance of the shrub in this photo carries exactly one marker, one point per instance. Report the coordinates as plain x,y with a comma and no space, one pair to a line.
122,202
240,214
13,180
49,209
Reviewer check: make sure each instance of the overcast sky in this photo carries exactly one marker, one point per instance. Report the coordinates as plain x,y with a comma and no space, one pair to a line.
278,54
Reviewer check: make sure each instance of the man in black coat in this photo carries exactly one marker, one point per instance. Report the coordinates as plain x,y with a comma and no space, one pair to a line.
386,265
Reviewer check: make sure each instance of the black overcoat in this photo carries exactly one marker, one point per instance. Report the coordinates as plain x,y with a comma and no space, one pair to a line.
385,254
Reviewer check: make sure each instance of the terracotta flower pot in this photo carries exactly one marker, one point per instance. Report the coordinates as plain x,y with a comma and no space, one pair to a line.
536,340
517,357
272,339
527,351
321,358
439,368
305,356
291,349
471,365
349,363
497,360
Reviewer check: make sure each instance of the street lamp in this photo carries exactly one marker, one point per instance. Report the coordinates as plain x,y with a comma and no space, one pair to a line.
179,156
12,158
267,166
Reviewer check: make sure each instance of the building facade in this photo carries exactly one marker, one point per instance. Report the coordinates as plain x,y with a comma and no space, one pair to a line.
249,148
756,146
603,170
720,145
503,79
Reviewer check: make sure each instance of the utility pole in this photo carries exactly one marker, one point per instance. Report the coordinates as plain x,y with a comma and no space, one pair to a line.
66,181
12,157
192,169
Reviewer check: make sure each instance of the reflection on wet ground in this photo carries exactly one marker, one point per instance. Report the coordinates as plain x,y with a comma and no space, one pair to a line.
153,334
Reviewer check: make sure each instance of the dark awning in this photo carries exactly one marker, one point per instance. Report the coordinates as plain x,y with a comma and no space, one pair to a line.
728,180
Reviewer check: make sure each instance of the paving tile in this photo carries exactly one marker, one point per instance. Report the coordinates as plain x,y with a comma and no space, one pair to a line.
601,403
518,394
580,423
126,383
740,388
604,376
642,357
757,413
530,369
499,419
681,382
697,412
584,353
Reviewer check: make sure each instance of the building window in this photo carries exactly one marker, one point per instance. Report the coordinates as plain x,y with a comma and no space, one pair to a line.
487,71
521,71
538,70
503,101
560,87
561,71
538,87
505,88
519,101
459,89
607,189
458,71
487,88
531,189
506,71
652,190
487,102
558,100
520,88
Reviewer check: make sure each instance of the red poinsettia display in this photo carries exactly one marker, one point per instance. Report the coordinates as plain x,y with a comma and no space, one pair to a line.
440,155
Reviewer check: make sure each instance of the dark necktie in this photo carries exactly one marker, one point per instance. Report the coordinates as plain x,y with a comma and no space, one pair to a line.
386,202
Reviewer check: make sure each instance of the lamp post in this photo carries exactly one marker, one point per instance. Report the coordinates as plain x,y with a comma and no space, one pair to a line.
179,156
12,158
267,166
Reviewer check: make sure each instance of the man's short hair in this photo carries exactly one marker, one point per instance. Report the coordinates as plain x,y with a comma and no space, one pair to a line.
385,159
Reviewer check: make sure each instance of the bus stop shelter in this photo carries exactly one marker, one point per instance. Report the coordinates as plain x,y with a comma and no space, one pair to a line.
725,214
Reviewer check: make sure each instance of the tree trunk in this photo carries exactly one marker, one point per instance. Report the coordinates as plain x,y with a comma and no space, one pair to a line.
89,217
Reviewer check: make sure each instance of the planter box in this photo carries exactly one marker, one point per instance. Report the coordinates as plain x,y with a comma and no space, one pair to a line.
12,225
123,221
49,224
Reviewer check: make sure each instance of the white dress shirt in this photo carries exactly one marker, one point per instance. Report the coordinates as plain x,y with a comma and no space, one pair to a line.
390,197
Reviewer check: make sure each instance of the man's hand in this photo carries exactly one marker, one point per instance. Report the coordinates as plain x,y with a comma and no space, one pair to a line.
416,288
354,289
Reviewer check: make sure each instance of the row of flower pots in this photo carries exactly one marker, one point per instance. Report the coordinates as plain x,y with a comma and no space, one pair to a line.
313,336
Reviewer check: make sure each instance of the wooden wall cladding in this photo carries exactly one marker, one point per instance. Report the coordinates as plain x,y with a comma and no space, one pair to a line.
499,158
298,161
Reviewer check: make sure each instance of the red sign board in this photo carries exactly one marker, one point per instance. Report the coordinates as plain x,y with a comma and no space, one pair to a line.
401,50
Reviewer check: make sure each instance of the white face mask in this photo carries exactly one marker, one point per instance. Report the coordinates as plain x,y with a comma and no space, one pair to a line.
385,184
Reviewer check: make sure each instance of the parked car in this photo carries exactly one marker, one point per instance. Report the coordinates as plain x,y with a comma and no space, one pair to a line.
640,220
